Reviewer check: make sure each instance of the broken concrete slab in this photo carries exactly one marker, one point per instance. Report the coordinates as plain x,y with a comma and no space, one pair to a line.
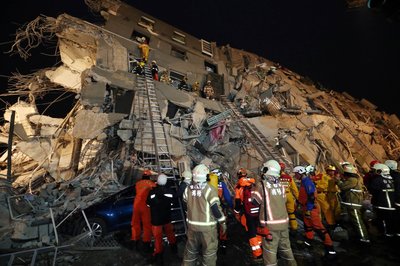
89,125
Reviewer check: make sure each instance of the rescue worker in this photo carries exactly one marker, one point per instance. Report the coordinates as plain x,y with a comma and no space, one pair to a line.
351,187
186,179
381,187
183,84
144,50
326,195
154,70
225,198
247,214
203,213
141,212
395,174
368,176
311,211
292,194
208,90
270,194
160,201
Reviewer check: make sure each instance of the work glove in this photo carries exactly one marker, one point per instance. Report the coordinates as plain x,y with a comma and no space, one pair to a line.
223,228
307,214
264,231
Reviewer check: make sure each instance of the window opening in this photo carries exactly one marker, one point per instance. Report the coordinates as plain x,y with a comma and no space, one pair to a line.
179,37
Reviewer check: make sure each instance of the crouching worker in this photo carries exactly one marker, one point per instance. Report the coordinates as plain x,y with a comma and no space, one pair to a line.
203,213
160,200
274,219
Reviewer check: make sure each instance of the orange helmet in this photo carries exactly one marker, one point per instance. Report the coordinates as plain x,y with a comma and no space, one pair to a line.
372,163
282,165
242,172
147,172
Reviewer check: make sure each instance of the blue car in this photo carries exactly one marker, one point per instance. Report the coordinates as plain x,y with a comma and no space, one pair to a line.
114,213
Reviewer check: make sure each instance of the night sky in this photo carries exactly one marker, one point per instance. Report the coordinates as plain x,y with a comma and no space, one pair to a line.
357,51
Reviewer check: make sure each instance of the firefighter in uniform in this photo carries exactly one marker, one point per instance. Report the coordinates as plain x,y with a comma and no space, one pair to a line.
292,194
141,213
326,195
270,194
160,200
248,217
226,202
311,211
203,213
351,186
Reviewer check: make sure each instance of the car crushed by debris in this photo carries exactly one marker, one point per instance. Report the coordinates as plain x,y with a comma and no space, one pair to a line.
120,123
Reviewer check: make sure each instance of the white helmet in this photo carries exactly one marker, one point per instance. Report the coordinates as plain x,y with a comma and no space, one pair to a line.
217,171
187,175
200,173
392,164
310,169
272,168
382,169
162,179
299,169
349,168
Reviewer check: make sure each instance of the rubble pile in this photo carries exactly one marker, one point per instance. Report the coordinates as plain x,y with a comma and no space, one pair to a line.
62,165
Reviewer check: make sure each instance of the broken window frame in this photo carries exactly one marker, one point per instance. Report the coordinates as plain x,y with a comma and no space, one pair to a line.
206,48
179,37
178,53
146,22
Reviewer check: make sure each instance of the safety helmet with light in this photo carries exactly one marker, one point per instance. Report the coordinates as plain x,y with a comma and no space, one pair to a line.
162,179
272,168
299,169
392,164
330,168
200,173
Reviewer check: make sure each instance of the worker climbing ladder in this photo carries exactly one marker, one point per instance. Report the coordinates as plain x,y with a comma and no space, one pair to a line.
255,137
151,142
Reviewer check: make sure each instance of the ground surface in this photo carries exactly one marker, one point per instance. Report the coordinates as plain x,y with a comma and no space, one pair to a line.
381,252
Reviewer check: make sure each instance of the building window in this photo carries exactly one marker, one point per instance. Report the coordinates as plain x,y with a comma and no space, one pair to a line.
176,78
206,48
179,37
178,53
210,67
146,22
137,36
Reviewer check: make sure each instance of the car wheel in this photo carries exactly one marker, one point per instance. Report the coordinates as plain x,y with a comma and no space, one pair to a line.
98,226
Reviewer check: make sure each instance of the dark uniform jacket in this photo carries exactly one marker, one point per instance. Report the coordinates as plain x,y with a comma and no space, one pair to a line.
160,201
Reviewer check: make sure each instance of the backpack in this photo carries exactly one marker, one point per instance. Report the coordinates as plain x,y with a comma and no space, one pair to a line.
250,208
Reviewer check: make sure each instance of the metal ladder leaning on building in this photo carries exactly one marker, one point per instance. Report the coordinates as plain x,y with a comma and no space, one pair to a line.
151,142
254,136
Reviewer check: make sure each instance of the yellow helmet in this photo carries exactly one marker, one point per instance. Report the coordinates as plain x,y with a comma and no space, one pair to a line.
330,168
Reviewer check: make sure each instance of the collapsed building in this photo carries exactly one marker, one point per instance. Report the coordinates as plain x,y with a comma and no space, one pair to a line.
121,123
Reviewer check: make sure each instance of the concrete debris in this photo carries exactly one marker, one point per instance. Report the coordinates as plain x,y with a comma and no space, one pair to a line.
61,166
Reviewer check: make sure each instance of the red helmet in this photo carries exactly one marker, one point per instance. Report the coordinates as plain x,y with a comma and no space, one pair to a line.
372,163
282,165
242,172
147,172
